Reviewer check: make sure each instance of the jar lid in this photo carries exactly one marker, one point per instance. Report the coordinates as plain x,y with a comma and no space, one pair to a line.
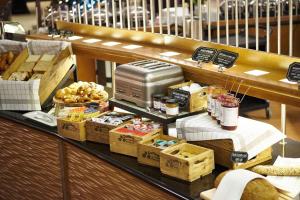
171,101
164,99
158,96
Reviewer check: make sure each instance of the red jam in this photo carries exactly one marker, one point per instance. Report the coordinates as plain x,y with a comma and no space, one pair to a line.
230,113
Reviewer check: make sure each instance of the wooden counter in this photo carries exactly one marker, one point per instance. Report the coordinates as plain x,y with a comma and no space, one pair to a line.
267,86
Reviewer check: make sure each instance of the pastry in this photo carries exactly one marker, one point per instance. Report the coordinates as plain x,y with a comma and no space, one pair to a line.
47,58
32,58
36,76
26,67
5,60
256,189
19,76
82,92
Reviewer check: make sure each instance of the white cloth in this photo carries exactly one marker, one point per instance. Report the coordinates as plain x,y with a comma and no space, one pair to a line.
233,184
290,184
251,136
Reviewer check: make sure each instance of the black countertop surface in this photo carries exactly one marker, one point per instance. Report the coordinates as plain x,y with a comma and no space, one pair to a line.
181,189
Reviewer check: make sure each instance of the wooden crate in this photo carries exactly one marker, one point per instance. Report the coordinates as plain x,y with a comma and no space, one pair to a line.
149,154
224,148
194,102
189,169
72,130
125,142
52,77
97,132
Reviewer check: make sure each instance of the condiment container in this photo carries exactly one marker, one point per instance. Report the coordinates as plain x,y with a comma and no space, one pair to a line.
172,107
156,101
163,104
230,113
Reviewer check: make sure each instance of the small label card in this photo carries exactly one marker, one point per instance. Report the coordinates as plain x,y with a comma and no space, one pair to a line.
239,157
225,58
204,54
293,73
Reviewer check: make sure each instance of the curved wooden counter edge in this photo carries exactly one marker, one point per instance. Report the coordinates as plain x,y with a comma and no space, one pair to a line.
267,86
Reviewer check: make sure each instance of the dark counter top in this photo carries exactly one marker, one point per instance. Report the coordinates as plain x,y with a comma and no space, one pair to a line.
181,189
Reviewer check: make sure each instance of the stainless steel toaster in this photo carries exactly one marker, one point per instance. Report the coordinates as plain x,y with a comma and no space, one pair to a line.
136,82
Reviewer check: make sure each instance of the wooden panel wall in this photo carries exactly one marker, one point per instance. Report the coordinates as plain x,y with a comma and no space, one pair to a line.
29,164
92,178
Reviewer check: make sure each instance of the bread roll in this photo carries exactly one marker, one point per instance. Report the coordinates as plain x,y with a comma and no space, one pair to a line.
276,170
257,189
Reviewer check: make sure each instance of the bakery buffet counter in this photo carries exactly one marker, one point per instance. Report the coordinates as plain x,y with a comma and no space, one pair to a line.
36,163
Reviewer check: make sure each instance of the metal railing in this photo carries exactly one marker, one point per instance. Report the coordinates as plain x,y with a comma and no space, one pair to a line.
246,23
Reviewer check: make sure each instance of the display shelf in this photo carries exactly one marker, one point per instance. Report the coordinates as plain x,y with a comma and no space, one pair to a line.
150,113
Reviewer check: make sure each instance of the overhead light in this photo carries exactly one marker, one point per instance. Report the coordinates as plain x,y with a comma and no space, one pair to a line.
132,46
256,72
110,44
169,53
287,81
75,37
91,41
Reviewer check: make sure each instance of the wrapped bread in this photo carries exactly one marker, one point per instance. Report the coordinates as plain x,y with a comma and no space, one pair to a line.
19,76
36,76
256,189
277,170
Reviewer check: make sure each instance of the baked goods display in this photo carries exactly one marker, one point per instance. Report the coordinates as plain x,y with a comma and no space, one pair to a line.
19,76
5,60
82,92
255,189
277,170
36,76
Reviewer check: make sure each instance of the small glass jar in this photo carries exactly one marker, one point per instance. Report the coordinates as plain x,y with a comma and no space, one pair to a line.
209,94
156,101
219,110
172,107
213,106
163,104
230,113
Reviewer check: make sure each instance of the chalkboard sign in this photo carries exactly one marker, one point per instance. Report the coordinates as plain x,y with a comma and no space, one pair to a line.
204,54
225,58
183,98
239,157
293,73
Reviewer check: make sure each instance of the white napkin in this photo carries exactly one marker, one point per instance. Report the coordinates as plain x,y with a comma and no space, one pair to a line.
290,184
251,136
237,179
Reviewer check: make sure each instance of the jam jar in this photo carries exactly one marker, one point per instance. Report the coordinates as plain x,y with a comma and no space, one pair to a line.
213,106
163,104
230,113
156,101
219,102
172,107
209,93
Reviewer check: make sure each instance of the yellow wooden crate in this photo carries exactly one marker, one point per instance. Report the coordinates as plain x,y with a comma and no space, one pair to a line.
72,130
125,142
197,100
186,161
148,154
223,150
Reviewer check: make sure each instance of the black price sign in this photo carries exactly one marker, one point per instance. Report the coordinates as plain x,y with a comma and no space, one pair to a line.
204,54
293,73
225,58
239,157
183,98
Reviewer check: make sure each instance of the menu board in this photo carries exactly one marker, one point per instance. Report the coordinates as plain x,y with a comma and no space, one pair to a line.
225,58
204,54
239,157
183,98
293,73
